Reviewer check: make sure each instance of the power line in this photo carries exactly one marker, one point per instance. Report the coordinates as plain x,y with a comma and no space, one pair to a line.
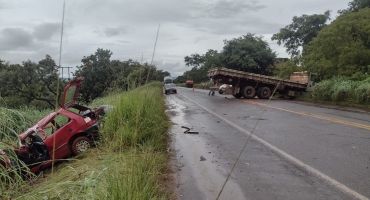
68,71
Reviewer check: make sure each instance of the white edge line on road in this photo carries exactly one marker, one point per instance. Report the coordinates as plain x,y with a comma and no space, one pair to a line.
294,160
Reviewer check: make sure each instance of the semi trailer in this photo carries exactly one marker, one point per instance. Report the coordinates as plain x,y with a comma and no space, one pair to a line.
249,85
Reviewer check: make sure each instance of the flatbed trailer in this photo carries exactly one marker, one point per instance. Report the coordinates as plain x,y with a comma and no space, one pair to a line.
249,85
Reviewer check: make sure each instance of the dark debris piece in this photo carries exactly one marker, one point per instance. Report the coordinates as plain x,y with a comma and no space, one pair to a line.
188,130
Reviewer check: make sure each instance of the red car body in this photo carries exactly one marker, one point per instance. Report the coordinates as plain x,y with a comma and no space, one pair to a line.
71,133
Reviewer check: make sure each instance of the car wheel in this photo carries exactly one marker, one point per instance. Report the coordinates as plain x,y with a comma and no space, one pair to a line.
220,91
81,144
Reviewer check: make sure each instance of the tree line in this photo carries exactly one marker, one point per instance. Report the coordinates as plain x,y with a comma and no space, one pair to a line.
35,84
339,48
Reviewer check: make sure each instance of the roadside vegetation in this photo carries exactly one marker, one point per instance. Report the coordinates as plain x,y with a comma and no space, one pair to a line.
130,161
341,91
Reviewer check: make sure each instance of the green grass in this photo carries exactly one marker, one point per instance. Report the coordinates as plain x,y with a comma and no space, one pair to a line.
130,161
340,91
13,122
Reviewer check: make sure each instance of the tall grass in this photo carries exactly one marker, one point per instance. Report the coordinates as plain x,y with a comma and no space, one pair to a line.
343,91
13,181
130,161
138,119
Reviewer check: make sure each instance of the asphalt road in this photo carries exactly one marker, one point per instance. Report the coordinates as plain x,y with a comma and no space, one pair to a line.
296,150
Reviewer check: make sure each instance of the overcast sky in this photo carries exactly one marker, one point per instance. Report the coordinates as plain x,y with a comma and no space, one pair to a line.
31,29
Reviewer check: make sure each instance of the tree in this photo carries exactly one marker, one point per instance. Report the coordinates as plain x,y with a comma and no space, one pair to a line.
144,74
300,32
286,67
355,6
248,53
180,79
35,83
201,64
342,48
194,60
99,74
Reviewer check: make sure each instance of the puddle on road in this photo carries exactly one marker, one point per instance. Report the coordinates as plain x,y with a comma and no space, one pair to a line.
197,179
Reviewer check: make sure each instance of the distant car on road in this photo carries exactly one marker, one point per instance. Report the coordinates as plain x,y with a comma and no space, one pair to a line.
170,88
189,83
223,88
167,79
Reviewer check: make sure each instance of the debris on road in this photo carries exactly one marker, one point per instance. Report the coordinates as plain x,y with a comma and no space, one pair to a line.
188,130
202,158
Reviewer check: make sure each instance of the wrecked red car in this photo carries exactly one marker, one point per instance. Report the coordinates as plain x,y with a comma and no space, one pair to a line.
70,130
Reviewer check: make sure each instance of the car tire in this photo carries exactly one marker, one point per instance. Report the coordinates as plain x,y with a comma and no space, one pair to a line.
81,144
220,91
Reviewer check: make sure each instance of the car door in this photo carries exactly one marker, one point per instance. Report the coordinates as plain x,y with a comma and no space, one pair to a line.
57,139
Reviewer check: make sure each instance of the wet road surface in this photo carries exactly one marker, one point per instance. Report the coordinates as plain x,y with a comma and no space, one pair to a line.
297,150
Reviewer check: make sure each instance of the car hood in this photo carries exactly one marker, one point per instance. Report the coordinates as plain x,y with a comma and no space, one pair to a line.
71,92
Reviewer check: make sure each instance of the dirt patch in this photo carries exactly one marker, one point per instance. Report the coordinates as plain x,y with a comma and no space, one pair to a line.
170,181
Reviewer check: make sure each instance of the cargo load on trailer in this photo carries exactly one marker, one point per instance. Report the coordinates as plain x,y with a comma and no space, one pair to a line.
250,85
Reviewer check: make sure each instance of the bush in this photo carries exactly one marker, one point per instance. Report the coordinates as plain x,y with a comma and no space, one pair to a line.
342,90
363,93
12,102
323,90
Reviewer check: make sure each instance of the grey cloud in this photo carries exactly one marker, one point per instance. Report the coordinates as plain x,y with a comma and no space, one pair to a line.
174,68
109,32
15,39
238,26
174,39
46,31
228,18
142,12
201,38
17,57
2,5
228,9
123,41
72,58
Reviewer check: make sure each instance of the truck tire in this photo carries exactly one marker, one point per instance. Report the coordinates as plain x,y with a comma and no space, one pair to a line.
258,93
238,95
248,92
264,93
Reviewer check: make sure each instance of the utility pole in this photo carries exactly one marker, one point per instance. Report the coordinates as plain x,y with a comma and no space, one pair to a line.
68,71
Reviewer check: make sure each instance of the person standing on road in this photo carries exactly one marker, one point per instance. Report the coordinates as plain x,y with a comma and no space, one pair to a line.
211,89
